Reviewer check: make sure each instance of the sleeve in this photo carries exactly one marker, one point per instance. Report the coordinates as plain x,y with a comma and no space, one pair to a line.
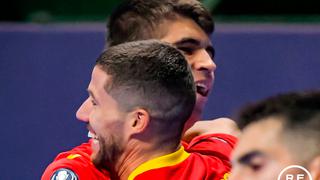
74,164
216,146
219,145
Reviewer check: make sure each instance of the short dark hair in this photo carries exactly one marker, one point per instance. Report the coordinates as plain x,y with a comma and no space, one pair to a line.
139,19
296,107
299,113
152,75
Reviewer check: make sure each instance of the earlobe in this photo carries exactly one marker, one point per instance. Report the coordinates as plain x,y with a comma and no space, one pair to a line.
140,121
314,168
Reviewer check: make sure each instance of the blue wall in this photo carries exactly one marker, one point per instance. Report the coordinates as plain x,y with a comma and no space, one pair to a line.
44,72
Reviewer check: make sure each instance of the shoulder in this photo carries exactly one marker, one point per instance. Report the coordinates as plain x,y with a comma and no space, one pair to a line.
64,174
210,144
212,149
75,163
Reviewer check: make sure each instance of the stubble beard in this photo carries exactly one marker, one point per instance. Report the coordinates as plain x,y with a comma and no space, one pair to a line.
108,154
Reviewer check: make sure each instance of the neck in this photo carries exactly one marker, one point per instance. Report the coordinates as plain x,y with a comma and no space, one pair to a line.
136,154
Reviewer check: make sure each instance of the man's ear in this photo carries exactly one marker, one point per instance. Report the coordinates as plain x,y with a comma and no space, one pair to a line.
314,168
140,119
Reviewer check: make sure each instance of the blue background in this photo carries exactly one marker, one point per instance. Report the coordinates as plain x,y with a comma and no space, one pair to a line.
45,69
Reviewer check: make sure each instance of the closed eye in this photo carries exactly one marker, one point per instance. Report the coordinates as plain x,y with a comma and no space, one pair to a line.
92,98
255,167
93,103
186,50
187,45
211,51
255,160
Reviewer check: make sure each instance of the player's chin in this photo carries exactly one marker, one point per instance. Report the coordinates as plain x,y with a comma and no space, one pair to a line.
196,114
106,153
200,103
97,158
98,154
95,145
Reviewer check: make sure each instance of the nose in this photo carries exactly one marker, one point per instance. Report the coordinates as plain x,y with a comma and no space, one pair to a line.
83,111
204,62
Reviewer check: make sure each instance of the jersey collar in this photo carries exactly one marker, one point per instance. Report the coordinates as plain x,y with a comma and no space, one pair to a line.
159,162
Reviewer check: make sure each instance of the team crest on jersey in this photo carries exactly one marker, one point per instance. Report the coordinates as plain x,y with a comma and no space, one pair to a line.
64,174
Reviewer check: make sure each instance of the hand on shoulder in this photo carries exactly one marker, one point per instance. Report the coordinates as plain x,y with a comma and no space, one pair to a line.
220,125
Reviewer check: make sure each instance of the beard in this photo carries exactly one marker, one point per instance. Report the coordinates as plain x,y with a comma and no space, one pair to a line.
108,153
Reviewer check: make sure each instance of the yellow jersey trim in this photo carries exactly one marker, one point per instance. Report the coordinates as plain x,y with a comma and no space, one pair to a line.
159,162
72,156
226,176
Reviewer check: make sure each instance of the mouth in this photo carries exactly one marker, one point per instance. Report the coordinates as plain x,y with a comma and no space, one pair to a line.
93,136
202,88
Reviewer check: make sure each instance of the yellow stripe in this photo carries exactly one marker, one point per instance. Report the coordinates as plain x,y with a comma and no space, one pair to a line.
226,176
72,156
159,162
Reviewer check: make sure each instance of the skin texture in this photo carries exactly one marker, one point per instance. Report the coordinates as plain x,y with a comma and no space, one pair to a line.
195,44
221,125
122,140
104,119
112,130
261,152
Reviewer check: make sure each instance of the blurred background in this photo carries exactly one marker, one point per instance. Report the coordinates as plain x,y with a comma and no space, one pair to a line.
48,48
97,10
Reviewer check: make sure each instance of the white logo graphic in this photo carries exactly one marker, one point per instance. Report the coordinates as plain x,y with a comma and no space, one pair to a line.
289,176
64,174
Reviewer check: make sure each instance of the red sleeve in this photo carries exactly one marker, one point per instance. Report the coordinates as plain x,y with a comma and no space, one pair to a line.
220,145
76,161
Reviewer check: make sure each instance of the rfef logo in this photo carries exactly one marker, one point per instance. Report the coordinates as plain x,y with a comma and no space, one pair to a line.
294,172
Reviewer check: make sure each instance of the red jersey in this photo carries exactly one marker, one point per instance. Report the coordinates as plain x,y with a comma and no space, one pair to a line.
205,157
76,164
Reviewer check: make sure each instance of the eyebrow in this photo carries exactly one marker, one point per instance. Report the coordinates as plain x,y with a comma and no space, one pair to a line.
194,42
247,158
91,94
187,41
